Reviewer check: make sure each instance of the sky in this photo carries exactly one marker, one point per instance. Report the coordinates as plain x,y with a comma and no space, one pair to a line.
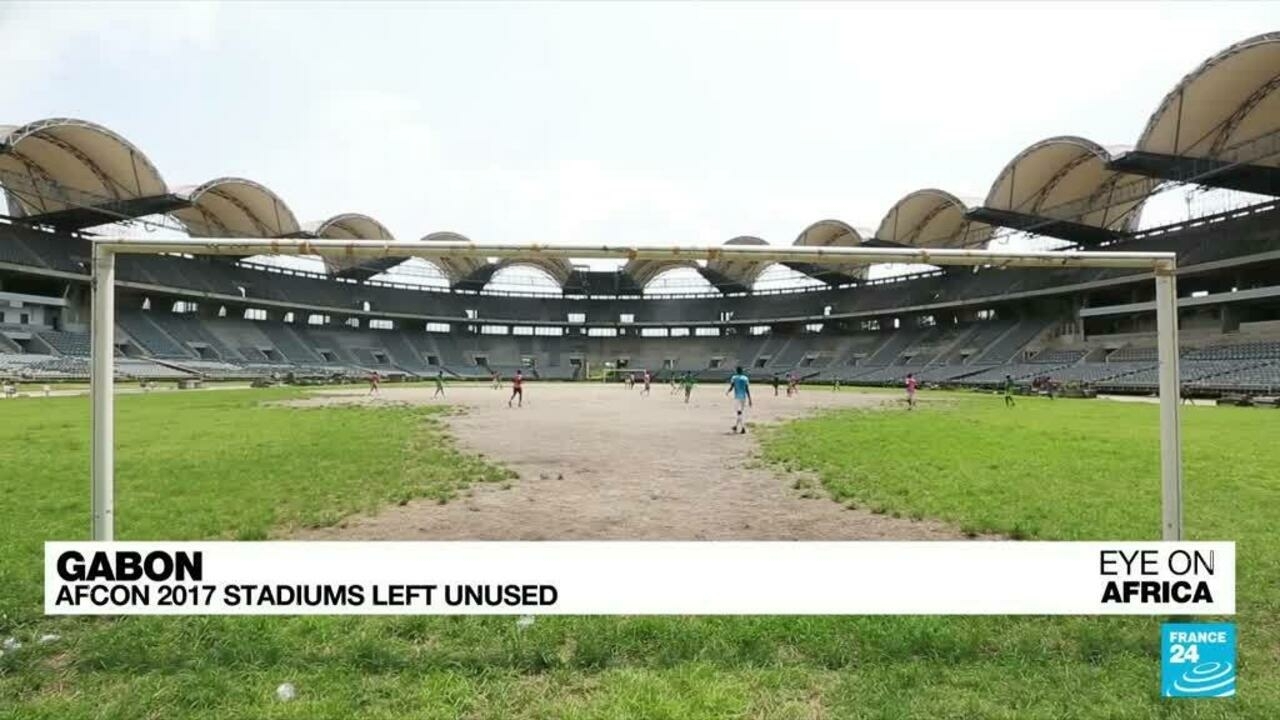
591,122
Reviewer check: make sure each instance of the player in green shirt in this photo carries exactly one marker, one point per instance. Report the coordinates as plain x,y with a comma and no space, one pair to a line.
687,383
1008,391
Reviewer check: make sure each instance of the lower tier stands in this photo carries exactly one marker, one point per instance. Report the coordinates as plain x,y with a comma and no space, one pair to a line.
158,344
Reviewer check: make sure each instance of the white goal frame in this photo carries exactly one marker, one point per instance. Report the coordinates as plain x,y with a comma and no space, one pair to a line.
1163,266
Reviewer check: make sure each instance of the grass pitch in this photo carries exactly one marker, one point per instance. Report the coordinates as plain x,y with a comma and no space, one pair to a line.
193,465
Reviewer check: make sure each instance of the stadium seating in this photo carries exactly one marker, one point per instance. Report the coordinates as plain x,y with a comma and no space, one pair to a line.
190,330
147,334
995,375
213,369
1134,354
7,345
1255,350
1058,357
897,342
975,343
289,344
67,343
134,368
946,346
1098,373
35,366
1004,349
933,355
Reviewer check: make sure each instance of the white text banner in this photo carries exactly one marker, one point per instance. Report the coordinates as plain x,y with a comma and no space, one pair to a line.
640,578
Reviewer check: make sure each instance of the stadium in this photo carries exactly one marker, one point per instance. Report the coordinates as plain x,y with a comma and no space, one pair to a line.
201,318
404,466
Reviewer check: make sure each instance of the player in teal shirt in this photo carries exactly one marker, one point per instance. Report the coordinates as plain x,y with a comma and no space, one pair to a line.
740,386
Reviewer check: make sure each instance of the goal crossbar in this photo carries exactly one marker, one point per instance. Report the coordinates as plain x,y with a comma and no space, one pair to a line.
830,255
1162,265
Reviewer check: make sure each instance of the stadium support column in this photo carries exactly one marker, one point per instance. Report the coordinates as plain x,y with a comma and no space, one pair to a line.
1170,390
102,380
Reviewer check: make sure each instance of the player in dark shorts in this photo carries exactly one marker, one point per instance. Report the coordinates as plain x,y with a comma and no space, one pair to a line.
912,386
1008,391
517,389
776,382
647,379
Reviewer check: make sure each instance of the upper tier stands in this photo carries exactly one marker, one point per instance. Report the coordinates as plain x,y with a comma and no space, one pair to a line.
1226,237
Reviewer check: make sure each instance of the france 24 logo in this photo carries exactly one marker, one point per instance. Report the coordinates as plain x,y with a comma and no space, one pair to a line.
1198,659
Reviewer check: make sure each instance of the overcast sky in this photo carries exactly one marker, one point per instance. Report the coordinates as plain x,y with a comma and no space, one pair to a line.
590,122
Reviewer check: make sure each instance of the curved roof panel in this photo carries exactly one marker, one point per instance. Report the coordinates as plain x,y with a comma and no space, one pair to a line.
1066,178
350,226
644,272
456,269
63,164
828,233
932,218
743,272
353,226
1228,100
235,207
558,268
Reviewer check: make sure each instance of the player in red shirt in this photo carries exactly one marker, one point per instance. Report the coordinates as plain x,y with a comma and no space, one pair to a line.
517,389
374,379
647,379
912,384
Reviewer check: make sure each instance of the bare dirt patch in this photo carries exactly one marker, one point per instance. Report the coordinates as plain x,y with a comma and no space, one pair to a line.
600,462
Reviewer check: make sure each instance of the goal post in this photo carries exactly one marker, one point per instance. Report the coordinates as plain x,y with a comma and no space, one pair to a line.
1163,266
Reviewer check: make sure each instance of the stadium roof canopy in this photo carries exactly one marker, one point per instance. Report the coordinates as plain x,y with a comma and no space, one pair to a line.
558,269
349,226
1220,125
932,218
353,226
72,174
829,233
468,273
1062,187
235,207
736,275
644,272
459,269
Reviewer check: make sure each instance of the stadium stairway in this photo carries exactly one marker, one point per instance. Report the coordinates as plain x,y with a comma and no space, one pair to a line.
290,345
1014,340
149,336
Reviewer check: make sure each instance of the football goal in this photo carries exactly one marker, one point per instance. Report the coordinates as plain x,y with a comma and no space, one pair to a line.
1162,266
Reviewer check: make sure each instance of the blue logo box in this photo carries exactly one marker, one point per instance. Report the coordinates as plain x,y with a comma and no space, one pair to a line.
1198,660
